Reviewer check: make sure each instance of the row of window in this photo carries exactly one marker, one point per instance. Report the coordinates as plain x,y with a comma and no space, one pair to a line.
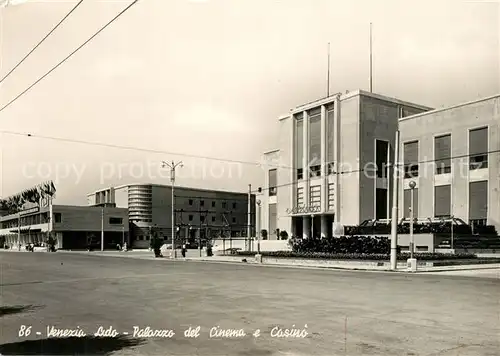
314,135
202,218
112,220
202,203
477,155
477,201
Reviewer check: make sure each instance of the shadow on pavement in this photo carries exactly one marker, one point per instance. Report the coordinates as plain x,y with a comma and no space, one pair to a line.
16,309
89,345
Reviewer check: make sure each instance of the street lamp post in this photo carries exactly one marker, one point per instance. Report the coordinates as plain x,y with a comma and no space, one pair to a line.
258,226
172,167
312,226
452,237
19,231
412,242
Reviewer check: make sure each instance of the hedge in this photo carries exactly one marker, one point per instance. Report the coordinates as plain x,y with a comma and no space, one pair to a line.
343,245
361,256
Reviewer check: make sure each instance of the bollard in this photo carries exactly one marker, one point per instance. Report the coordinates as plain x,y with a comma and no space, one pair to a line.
412,264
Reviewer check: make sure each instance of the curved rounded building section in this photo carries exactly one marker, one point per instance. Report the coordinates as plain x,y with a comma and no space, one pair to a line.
199,213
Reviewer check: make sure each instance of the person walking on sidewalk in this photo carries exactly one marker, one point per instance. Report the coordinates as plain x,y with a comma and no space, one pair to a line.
183,251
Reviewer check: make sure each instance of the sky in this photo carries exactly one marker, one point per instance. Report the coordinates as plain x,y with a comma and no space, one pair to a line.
210,78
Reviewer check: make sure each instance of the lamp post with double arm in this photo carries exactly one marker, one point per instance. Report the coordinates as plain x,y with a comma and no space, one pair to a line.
172,167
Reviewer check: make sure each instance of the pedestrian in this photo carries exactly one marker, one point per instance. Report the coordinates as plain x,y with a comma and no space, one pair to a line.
183,251
125,246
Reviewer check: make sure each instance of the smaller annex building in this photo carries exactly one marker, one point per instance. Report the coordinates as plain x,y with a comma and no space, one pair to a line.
24,221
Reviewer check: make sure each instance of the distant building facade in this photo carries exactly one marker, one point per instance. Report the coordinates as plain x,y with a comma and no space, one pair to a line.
198,212
331,164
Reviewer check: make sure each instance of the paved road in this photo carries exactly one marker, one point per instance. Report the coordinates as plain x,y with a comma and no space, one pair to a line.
347,313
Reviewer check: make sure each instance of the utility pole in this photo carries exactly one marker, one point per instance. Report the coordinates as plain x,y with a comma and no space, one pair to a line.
102,228
249,218
172,167
394,218
19,230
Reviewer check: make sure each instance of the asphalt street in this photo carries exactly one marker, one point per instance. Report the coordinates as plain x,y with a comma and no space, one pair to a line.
346,312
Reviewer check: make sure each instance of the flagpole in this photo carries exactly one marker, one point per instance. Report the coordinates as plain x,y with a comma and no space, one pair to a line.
371,60
328,74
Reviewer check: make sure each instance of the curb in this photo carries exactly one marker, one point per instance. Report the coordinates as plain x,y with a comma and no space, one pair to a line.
458,269
251,263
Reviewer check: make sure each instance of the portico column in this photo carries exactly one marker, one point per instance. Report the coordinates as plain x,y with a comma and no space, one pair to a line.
324,227
306,225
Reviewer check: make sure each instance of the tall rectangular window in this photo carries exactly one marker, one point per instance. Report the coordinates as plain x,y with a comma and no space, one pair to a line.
410,153
442,201
273,182
315,195
273,217
315,142
300,196
478,148
299,145
330,138
442,154
381,203
407,203
381,148
331,196
478,203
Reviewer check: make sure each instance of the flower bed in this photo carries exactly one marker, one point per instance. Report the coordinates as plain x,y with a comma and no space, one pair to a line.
360,256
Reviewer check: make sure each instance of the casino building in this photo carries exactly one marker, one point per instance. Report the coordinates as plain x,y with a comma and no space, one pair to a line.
331,163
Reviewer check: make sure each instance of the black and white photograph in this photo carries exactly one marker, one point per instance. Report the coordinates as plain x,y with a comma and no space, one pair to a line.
250,177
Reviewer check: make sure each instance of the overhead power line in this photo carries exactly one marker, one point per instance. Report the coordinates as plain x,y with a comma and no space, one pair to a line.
211,158
69,56
133,148
39,43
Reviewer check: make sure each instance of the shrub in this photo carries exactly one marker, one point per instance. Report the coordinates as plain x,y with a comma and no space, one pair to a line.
283,235
263,234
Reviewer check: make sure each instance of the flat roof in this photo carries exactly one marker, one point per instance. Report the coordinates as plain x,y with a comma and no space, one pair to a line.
350,94
46,209
450,107
168,186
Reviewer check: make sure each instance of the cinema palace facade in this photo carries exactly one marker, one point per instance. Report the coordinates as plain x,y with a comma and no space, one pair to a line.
330,166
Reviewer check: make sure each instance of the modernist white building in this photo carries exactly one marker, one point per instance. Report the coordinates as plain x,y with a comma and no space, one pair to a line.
331,157
331,163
